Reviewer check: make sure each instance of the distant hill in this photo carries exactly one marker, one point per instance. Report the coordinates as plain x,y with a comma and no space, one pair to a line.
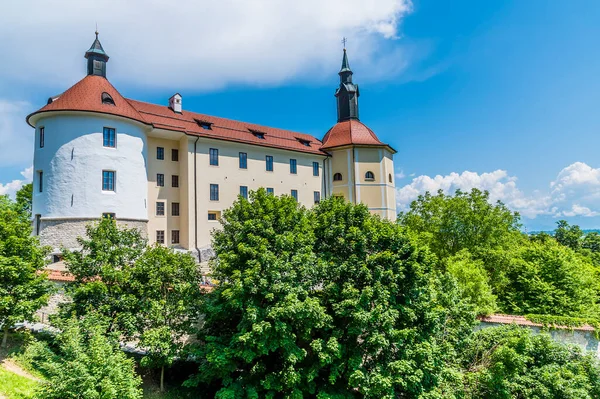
552,231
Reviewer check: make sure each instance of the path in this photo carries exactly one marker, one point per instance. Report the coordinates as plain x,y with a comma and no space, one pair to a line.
14,368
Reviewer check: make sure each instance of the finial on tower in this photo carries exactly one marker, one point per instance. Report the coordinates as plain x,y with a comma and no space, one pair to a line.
344,40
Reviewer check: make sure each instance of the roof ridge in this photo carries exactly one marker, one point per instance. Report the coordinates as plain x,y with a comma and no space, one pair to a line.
191,113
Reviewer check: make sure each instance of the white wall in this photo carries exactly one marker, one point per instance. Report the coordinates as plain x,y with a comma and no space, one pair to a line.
73,159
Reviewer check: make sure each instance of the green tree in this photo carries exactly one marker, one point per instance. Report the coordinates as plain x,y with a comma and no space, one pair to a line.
591,241
396,322
167,286
544,277
85,362
260,318
512,362
451,223
569,236
24,200
333,303
103,273
473,281
23,286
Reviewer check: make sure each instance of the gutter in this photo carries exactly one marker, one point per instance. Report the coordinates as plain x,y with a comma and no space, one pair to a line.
196,203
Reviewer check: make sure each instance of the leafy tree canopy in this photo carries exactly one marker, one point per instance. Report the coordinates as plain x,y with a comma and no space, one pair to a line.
329,303
512,362
451,223
473,281
167,286
544,277
541,274
24,200
569,236
23,286
85,362
103,273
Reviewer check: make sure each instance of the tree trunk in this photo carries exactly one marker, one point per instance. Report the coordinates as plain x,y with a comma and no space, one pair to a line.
162,379
5,337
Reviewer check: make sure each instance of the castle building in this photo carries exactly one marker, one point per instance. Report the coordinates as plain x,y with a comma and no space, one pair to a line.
171,172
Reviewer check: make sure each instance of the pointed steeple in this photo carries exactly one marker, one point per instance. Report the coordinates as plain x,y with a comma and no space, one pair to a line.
97,58
347,93
345,63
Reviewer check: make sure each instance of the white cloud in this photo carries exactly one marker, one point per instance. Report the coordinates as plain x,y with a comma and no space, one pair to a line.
400,175
199,44
16,138
577,210
12,187
574,192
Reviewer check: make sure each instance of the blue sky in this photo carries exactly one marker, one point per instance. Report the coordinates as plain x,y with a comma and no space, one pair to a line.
498,95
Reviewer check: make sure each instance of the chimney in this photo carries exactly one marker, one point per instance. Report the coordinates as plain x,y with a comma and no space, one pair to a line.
175,103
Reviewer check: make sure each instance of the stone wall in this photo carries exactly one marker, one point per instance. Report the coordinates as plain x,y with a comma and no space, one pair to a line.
57,233
584,337
54,302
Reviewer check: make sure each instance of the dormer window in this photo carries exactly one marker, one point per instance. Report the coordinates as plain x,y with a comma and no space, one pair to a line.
107,99
204,124
258,134
303,142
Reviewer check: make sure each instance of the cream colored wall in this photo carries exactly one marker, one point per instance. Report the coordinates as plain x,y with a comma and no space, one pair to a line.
230,177
390,189
341,162
354,163
166,194
186,184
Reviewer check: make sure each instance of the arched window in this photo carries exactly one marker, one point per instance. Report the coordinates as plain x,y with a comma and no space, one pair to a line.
369,176
390,177
107,99
337,177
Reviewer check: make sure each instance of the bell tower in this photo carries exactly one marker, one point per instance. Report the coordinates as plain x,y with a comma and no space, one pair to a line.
96,59
347,93
360,168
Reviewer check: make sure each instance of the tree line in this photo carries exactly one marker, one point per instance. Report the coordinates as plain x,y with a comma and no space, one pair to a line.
330,302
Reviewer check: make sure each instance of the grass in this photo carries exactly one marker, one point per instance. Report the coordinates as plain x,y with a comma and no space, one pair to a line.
16,387
16,344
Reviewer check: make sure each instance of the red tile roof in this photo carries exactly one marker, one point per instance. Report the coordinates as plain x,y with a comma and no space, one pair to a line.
225,129
62,276
86,95
522,321
348,133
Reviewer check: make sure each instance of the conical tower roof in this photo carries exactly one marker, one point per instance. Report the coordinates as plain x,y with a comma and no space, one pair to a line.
96,48
345,64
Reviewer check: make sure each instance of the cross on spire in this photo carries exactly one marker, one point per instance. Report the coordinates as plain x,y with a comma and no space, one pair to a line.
344,40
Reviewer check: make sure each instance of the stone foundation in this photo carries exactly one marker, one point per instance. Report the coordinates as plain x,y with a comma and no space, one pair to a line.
56,299
57,233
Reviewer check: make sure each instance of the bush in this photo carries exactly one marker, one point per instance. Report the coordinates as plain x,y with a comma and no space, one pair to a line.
512,362
83,362
472,279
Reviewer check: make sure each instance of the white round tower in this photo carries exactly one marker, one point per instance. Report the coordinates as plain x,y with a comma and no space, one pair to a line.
89,160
